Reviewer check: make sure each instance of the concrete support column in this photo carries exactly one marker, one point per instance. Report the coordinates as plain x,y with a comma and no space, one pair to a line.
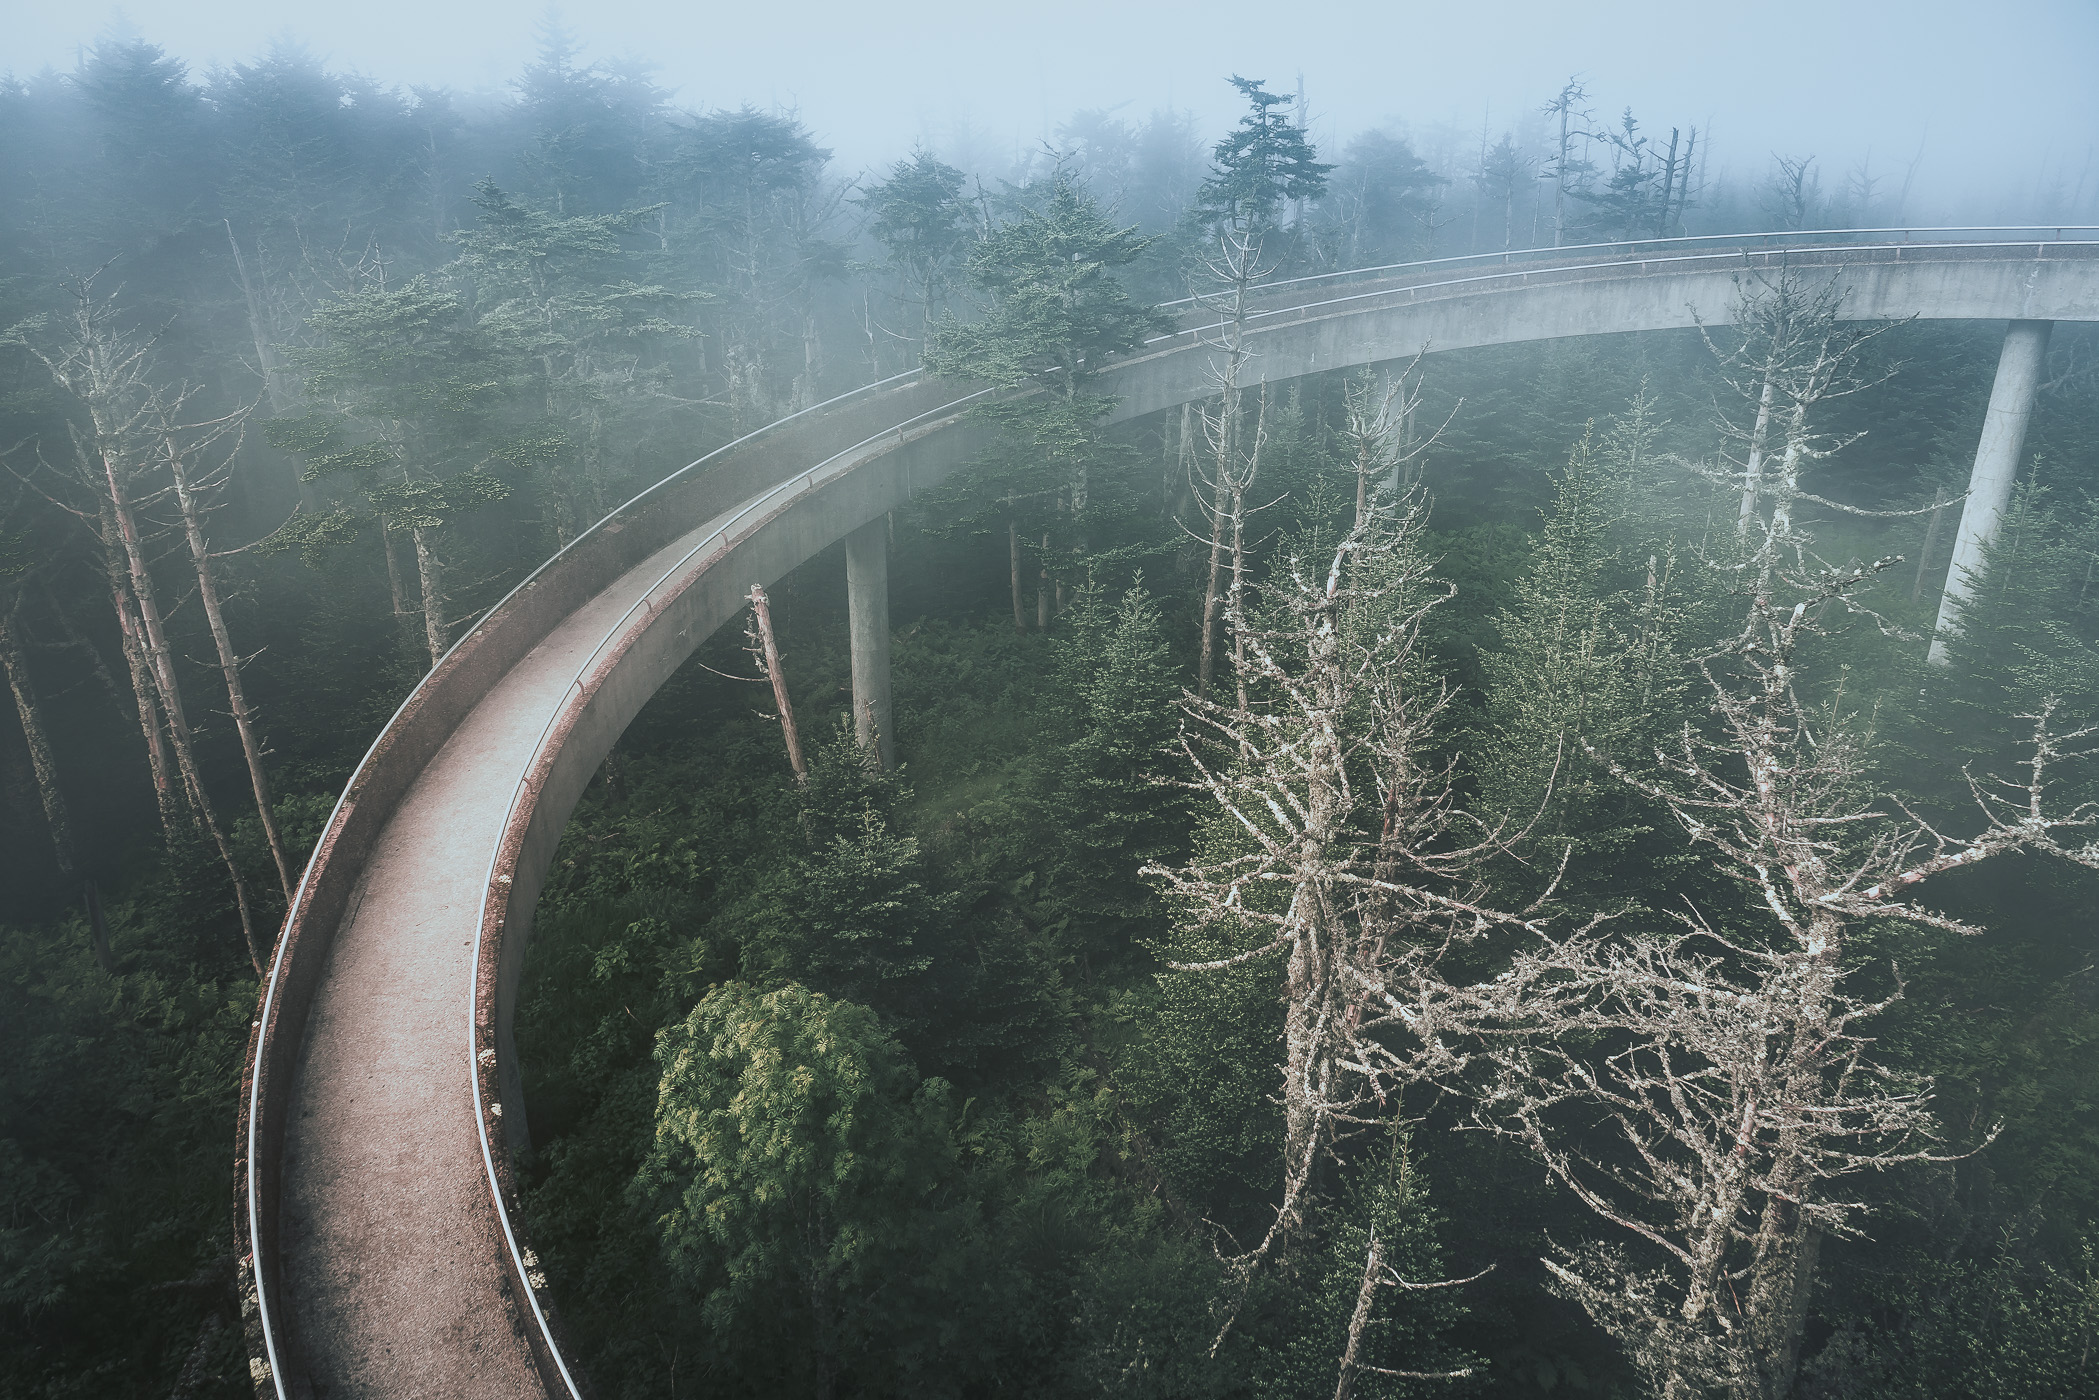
1996,464
867,610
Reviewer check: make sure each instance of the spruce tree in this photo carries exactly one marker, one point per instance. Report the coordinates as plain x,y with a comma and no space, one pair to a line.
1108,813
921,220
1057,313
1556,679
852,909
1262,165
410,387
562,293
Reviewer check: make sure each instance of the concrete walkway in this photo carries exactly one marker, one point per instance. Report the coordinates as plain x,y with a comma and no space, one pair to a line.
378,1259
392,1252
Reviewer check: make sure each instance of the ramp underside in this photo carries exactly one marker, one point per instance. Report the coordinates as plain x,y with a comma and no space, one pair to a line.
381,1260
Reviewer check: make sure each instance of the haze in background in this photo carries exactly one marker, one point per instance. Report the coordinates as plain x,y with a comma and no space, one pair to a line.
1999,97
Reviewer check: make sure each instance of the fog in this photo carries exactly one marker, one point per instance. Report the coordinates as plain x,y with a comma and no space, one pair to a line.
1997,98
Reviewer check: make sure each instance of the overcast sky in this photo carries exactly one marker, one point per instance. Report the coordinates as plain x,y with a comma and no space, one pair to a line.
1996,90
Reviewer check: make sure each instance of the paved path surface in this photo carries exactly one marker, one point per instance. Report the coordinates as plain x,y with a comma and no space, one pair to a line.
390,1248
380,1266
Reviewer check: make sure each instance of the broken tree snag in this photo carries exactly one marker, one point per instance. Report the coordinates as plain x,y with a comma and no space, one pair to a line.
98,930
1020,623
769,650
191,500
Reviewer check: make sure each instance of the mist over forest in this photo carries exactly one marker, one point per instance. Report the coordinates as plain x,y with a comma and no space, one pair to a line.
1561,864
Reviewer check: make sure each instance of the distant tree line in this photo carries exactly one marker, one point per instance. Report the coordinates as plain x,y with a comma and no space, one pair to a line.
1264,825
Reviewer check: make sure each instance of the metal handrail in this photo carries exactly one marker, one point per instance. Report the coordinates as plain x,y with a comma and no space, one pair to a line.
336,814
1506,264
1899,237
1298,309
801,483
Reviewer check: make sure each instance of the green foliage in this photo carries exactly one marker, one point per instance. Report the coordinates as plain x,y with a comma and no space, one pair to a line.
415,381
849,911
1556,678
1058,312
1384,1205
316,535
1264,163
918,213
2029,629
1058,309
560,291
921,219
1381,202
1592,651
500,361
116,1112
800,1170
429,504
1103,799
412,355
2000,1330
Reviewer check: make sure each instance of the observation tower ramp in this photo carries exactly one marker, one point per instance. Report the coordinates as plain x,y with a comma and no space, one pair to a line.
383,1255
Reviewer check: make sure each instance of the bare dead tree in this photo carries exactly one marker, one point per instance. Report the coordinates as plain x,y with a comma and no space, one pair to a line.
767,652
1228,472
1730,1068
1378,431
1790,352
1790,194
1355,867
29,710
1710,1091
104,369
1567,169
195,495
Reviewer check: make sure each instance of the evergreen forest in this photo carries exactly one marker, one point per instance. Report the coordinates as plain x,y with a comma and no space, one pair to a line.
1452,880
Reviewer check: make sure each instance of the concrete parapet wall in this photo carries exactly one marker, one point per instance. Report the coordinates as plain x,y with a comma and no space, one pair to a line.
670,567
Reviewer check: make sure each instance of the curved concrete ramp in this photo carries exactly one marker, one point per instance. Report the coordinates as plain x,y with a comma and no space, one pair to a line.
382,1257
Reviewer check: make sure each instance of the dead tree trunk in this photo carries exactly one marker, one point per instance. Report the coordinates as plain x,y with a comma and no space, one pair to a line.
769,649
160,664
105,371
1238,595
1206,667
41,761
1239,268
142,691
394,583
1020,622
1366,1295
430,572
266,360
1753,469
229,662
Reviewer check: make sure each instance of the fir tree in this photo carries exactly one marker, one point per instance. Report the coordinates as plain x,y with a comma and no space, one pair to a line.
1058,312
853,911
1265,163
921,220
1557,678
1109,814
412,385
560,292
